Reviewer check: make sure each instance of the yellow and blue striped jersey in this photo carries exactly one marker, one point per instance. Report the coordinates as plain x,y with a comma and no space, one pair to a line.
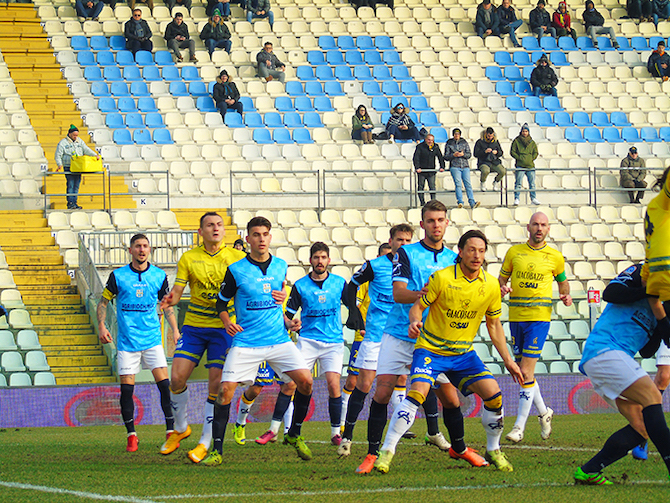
656,270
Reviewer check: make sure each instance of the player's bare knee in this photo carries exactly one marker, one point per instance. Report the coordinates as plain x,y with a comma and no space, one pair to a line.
288,388
662,378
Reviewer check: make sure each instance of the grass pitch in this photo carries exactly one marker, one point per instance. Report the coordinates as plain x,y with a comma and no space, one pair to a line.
90,464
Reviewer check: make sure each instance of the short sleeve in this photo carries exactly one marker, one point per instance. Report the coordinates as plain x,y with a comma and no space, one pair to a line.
559,265
494,309
182,271
364,274
433,291
506,269
402,270
165,288
111,289
294,301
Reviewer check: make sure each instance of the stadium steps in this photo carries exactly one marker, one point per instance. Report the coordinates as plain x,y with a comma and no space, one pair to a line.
189,219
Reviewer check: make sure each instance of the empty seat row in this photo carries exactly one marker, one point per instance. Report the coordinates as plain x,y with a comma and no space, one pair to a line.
26,340
20,379
614,135
139,89
124,58
35,361
114,73
122,220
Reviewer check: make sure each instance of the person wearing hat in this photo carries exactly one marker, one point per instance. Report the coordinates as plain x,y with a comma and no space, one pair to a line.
658,63
594,25
70,146
543,79
226,95
540,22
177,37
137,33
508,21
457,152
561,21
524,152
632,175
216,34
487,22
488,153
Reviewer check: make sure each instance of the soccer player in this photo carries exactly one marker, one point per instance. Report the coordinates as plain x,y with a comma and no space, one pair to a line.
459,297
627,325
139,287
532,267
259,334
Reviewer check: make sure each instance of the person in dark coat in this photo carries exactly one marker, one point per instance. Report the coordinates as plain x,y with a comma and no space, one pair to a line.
508,21
226,95
659,62
137,33
216,34
488,153
424,164
543,79
487,22
594,24
177,37
540,21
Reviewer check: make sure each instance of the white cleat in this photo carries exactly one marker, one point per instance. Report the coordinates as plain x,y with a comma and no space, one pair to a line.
545,423
438,440
516,435
344,448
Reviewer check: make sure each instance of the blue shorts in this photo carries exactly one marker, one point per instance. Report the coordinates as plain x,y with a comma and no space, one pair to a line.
528,338
461,370
195,340
266,376
351,370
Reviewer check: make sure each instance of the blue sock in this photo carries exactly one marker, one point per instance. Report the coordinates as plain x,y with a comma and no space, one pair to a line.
432,414
615,448
281,405
356,402
335,411
219,423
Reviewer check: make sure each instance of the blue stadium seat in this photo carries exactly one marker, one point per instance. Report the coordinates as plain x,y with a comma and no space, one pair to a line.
273,119
284,104
189,73
105,58
198,88
99,88
521,58
592,135
372,57
353,57
147,105
380,103
544,119
605,44
294,88
619,119
612,135
162,137
440,134
533,103
114,121
154,120
131,74
562,119
315,58
391,58
327,42
178,88
134,120
653,41
585,44
383,42
566,44
536,55
334,58
364,42
292,119
92,73
664,133
253,119
345,42
122,137
371,88
144,58
639,44
99,43
522,88
381,72
79,43
248,104
170,73
409,88
304,73
574,135
127,104
324,72
514,103
512,73
419,103
558,58
107,105
164,58
322,104
649,134
400,72
142,137
552,103
429,119
362,72
385,117
281,136
600,119
304,104
504,88
125,58
302,136
581,119
624,44
526,72
630,134
343,73
548,44
333,88
117,43
233,119
495,72
85,58
413,115
503,58
530,43
314,88
151,74
261,136
312,119
391,87
139,89
119,89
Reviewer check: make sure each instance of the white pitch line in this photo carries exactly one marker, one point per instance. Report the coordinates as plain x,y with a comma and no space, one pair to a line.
79,494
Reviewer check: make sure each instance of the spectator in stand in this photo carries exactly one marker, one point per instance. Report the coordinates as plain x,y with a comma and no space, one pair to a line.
561,21
632,175
171,4
223,6
640,9
659,62
487,22
269,66
457,152
226,95
150,4
239,245
89,8
68,147
660,9
508,21
543,78
260,9
362,125
424,164
216,34
524,151
489,154
177,36
400,126
594,25
540,21
137,33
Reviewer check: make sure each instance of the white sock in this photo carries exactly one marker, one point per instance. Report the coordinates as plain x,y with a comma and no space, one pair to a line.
288,418
538,401
401,421
397,397
493,426
346,395
526,394
179,403
243,410
206,437
334,430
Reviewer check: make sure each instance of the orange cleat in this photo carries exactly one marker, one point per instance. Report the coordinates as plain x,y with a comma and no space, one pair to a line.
132,443
367,465
470,455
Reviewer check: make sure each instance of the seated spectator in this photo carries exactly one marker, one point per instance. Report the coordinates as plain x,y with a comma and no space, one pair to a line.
508,21
260,9
524,152
457,152
362,125
137,33
543,79
89,8
150,4
561,21
540,21
226,95
216,34
632,175
171,4
487,22
269,66
660,9
593,23
223,6
659,62
177,37
640,9
400,126
488,153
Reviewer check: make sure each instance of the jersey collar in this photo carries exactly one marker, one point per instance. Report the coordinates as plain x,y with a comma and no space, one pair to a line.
139,273
536,249
458,273
432,250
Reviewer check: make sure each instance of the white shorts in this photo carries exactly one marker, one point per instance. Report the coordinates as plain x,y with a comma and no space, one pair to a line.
663,355
242,363
328,354
612,372
368,355
396,357
131,362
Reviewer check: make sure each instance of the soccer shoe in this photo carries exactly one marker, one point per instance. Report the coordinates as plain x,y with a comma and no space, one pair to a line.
438,440
212,459
409,435
470,455
131,446
198,453
545,423
300,446
367,465
498,459
268,436
172,443
516,435
239,434
383,462
591,479
640,452
336,439
345,448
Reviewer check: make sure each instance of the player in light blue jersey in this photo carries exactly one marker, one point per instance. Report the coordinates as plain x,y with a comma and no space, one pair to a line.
626,326
259,334
138,288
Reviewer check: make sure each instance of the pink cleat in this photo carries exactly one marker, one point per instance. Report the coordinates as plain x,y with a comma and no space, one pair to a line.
268,436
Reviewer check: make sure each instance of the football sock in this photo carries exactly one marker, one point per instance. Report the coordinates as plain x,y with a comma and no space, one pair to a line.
615,448
179,402
453,420
301,406
346,394
243,409
219,423
401,420
281,406
206,436
432,414
355,406
164,390
493,421
397,396
376,425
288,417
657,429
526,398
335,413
128,407
538,401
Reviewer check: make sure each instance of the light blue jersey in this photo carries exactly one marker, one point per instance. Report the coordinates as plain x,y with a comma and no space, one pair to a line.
378,273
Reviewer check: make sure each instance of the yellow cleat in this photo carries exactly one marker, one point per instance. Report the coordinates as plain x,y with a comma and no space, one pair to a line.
198,454
172,442
213,459
383,463
498,459
239,434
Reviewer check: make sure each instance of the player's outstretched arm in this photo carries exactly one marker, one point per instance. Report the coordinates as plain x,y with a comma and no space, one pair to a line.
103,333
564,293
172,298
415,317
403,295
172,320
497,336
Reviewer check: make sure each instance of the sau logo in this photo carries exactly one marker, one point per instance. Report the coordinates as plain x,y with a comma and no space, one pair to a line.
267,288
139,293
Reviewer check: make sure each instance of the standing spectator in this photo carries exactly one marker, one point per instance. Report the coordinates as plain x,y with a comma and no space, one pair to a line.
540,21
524,151
661,9
488,153
137,33
223,6
659,62
424,164
508,21
89,8
269,66
260,9
594,25
487,22
640,9
226,95
561,21
70,146
216,34
177,36
632,175
401,126
361,125
543,78
457,152
171,4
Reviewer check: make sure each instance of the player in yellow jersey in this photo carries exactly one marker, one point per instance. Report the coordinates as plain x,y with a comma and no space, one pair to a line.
532,267
459,296
656,269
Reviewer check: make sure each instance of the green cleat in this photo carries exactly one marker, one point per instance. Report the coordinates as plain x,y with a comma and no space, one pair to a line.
591,479
383,463
499,460
239,434
212,459
300,446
